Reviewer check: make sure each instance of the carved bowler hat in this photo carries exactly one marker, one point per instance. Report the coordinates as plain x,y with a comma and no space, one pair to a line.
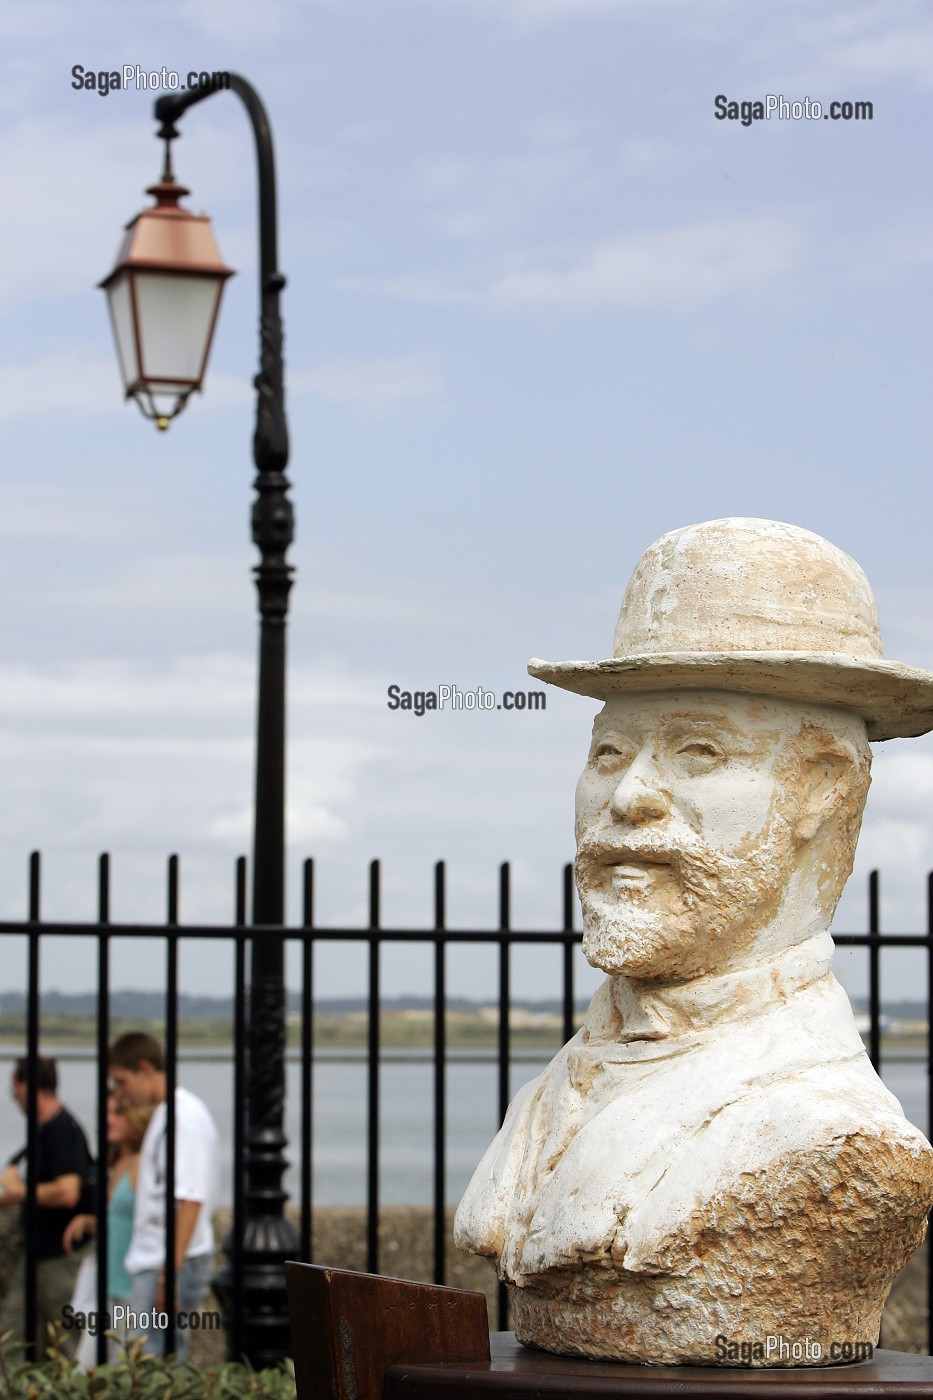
758,607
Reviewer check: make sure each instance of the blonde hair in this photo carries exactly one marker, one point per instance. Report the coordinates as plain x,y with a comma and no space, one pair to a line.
136,1117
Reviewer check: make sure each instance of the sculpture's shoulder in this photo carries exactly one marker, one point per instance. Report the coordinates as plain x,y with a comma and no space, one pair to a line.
823,1165
479,1224
783,1234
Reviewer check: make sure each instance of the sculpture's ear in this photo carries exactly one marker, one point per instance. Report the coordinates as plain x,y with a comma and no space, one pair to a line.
826,769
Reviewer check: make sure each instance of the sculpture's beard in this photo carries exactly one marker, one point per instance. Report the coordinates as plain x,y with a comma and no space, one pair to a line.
663,905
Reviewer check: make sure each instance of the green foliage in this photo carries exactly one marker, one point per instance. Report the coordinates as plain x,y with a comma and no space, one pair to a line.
136,1376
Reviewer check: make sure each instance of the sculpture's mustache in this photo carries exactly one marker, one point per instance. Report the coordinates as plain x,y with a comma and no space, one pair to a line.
691,862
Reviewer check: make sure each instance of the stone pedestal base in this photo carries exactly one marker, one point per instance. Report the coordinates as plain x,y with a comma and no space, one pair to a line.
664,1321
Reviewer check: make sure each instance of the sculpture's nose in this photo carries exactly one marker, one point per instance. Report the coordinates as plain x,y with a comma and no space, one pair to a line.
640,796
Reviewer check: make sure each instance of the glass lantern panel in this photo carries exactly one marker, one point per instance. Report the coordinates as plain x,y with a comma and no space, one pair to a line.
176,315
121,316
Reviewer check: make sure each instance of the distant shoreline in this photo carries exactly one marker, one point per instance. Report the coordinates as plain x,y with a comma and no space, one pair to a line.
86,1053
404,1033
398,1030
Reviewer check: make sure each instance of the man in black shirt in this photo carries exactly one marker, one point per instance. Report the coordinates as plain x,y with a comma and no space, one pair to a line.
63,1166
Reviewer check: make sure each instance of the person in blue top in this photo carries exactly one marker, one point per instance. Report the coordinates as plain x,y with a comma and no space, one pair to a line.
126,1127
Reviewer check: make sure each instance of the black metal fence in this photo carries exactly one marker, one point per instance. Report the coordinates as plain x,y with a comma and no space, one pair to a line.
309,936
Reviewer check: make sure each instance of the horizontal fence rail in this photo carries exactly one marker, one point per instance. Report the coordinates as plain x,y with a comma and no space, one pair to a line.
310,936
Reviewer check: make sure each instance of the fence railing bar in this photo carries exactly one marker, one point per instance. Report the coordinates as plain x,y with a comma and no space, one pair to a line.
102,1145
373,1041
567,979
307,1065
171,1081
929,1248
35,892
505,995
874,972
505,1039
31,1279
103,888
239,1108
171,916
544,937
440,1077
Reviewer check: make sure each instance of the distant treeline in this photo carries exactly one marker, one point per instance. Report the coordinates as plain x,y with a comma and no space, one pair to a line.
129,1005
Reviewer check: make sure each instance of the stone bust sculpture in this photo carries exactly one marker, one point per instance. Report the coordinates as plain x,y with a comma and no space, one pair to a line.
711,1171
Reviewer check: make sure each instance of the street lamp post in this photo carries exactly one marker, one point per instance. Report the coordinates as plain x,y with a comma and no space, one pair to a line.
267,1239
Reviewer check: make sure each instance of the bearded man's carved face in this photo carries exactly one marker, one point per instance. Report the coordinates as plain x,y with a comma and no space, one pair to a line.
692,816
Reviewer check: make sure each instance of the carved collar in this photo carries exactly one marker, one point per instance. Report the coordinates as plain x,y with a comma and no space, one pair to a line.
647,1021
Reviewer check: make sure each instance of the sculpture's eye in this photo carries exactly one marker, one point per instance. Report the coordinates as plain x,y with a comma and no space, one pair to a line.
608,756
700,755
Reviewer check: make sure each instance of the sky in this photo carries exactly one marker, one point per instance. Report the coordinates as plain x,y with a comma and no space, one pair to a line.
542,306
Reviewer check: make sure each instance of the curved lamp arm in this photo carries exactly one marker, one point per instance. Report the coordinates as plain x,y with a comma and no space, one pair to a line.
270,447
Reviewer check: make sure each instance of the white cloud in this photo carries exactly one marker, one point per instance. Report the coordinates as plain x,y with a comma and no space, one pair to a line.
522,182
375,385
538,11
109,690
218,19
78,381
896,846
823,51
51,159
904,55
902,785
69,381
897,836
163,753
34,26
646,155
670,267
889,252
473,197
674,267
324,781
432,288
906,616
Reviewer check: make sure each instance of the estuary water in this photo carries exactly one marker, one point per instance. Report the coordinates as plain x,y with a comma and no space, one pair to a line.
340,1114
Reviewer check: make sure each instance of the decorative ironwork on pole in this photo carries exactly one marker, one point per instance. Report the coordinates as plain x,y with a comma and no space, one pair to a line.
264,1239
